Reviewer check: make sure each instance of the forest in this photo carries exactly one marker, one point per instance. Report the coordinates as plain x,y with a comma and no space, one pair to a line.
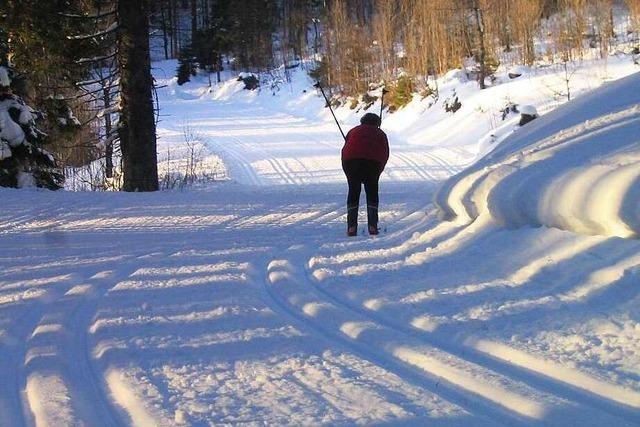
83,66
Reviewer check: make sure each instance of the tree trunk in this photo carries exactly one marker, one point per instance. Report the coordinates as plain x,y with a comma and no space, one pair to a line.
108,128
165,38
137,119
219,67
175,29
482,54
194,21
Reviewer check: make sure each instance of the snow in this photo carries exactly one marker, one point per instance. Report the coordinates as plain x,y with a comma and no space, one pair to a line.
5,150
528,109
26,180
241,302
10,131
5,80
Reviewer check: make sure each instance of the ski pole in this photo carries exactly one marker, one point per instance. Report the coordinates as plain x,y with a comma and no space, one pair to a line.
382,102
317,85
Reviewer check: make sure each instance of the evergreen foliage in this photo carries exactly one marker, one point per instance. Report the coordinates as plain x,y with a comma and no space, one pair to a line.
251,81
187,66
23,161
400,92
42,59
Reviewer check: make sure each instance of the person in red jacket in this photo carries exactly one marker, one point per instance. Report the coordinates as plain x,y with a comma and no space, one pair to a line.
364,156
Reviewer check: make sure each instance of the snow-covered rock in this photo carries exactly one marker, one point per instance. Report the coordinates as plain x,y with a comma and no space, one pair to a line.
518,71
26,180
527,109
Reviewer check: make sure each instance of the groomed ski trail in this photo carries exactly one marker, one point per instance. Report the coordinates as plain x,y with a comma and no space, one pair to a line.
481,385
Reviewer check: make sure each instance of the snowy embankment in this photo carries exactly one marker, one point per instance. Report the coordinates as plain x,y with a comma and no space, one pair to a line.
577,168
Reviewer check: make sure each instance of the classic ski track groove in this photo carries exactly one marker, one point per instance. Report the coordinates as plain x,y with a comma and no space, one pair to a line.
23,328
446,165
512,372
226,151
415,167
546,384
87,312
508,373
87,375
12,365
406,373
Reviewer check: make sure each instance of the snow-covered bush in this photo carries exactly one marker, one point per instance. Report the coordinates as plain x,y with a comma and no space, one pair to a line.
452,104
509,109
250,80
23,163
518,71
187,66
368,100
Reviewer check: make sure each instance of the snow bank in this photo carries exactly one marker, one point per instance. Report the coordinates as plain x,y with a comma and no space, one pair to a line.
577,168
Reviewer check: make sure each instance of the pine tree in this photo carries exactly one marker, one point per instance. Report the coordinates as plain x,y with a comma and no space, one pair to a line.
187,66
23,161
35,35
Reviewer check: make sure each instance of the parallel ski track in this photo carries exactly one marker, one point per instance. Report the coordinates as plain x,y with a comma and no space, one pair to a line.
11,368
471,355
22,329
243,165
452,170
106,411
406,373
84,376
420,170
450,392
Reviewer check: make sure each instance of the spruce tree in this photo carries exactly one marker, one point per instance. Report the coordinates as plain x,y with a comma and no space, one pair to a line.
187,66
35,35
23,161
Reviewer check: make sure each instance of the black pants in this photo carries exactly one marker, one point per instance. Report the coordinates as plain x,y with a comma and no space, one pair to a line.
359,172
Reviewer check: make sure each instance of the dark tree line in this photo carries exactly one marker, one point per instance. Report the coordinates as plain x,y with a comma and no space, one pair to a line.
89,56
238,31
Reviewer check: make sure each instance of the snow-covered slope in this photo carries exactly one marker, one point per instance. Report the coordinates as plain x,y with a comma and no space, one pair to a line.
282,135
576,168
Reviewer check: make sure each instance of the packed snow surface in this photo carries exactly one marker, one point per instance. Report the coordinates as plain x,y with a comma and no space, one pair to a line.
242,302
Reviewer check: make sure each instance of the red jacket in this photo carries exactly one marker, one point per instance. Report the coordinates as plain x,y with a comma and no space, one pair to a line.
366,142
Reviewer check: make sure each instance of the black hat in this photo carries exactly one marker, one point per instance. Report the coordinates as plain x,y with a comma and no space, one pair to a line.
371,119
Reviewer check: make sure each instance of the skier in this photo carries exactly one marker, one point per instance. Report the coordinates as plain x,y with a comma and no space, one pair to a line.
364,156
